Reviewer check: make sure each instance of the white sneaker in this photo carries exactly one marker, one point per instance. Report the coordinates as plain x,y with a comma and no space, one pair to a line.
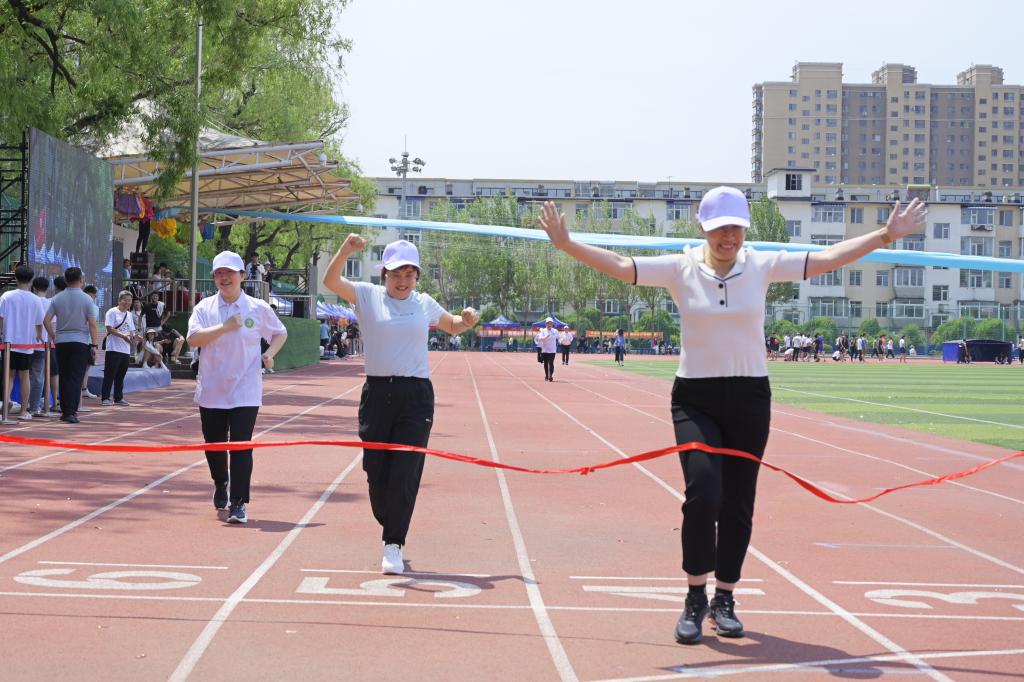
392,563
25,416
89,394
106,402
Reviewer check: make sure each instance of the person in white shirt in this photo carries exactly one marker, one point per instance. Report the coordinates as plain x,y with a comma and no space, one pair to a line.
39,403
721,394
547,340
21,322
397,403
254,272
903,349
117,348
229,386
565,338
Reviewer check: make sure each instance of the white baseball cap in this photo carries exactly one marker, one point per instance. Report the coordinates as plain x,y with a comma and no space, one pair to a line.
723,206
228,259
400,253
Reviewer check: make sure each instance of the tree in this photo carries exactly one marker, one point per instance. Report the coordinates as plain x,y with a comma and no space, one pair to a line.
990,329
782,328
952,330
914,337
767,224
826,326
870,327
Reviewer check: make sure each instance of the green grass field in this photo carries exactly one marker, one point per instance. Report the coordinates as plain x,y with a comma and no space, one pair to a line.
980,403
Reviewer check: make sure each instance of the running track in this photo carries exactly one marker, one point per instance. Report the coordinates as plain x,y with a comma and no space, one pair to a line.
117,567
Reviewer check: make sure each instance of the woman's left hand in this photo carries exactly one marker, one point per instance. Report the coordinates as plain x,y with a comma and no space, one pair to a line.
268,361
470,317
912,220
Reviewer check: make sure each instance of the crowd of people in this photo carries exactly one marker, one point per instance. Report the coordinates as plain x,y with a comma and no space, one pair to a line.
806,348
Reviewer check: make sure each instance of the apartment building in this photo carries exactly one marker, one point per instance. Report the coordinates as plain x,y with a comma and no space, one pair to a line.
891,131
970,220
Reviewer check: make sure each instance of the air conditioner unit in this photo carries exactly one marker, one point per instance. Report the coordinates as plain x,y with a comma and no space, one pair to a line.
985,228
422,189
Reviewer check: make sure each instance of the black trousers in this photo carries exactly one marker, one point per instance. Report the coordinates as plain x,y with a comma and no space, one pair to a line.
565,354
115,366
395,410
730,412
143,238
620,354
222,425
72,361
548,359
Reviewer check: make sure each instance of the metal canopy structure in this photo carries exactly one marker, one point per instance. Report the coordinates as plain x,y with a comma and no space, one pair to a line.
238,173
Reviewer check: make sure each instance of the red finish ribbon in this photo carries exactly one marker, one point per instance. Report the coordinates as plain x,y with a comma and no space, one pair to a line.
642,457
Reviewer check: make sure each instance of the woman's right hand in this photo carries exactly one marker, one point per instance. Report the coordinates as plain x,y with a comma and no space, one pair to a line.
233,322
553,222
353,243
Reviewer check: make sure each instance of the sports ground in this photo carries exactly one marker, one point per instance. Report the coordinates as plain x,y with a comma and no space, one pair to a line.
116,566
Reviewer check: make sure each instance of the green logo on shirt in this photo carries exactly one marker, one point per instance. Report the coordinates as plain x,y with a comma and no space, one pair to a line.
249,322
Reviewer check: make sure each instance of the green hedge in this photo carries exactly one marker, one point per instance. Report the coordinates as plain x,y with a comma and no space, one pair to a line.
300,350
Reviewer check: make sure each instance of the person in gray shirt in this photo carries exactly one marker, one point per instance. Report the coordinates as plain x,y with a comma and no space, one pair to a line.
77,337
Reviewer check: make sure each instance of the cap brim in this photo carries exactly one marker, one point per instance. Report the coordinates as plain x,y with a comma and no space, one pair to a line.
401,264
722,221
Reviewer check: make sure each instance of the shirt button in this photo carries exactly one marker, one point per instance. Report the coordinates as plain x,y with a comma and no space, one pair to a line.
722,302
721,286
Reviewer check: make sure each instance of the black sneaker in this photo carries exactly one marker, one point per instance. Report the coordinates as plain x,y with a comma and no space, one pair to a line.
689,625
220,496
237,514
723,616
69,418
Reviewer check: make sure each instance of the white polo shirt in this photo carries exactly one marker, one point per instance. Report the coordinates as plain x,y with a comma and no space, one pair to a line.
395,330
21,312
229,366
121,322
721,319
547,339
565,338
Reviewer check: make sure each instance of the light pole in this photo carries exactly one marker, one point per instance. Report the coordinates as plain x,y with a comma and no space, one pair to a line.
402,169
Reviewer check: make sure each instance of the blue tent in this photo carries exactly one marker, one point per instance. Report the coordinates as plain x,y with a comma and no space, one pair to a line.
502,322
541,322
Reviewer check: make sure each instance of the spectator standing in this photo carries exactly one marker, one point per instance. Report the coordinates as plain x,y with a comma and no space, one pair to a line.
903,348
619,344
325,333
254,273
229,387
21,322
155,311
547,341
117,349
40,285
77,337
139,322
91,290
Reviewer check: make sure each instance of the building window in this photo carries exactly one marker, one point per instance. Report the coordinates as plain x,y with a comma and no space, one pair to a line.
909,277
882,214
794,182
793,228
912,242
1006,217
856,215
678,211
856,309
354,268
976,279
883,309
940,230
411,236
1005,280
827,213
611,307
976,246
882,278
940,292
377,253
855,277
1005,249
978,215
828,279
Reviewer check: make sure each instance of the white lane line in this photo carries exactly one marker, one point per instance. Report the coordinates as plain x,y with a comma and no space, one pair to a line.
856,623
500,607
817,666
823,419
149,486
899,465
202,642
910,584
89,563
119,436
901,407
633,577
405,573
547,629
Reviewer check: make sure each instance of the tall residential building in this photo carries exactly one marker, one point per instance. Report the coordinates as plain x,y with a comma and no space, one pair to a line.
892,131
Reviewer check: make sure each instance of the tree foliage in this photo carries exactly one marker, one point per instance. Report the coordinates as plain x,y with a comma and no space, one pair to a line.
767,224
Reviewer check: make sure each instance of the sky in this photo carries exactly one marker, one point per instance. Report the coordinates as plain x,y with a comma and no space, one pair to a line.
647,90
